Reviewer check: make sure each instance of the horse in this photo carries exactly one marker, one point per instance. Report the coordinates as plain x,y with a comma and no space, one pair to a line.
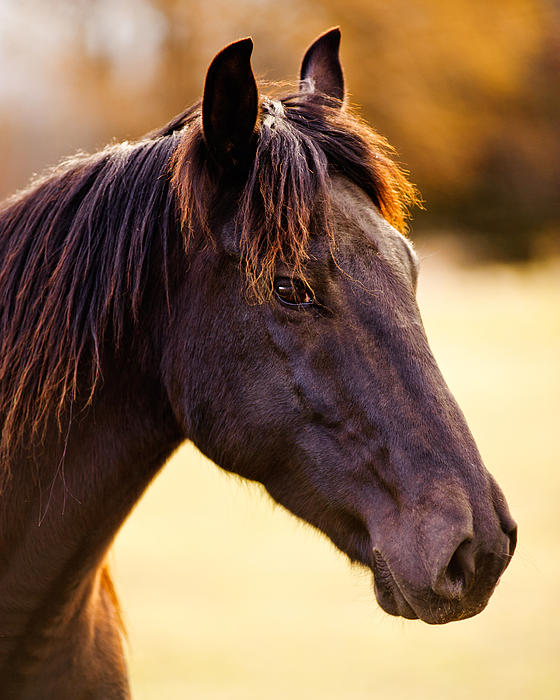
239,278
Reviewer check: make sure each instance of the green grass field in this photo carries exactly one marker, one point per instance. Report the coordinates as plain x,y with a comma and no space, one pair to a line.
227,596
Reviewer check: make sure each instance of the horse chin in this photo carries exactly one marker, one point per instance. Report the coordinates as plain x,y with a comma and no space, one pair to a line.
392,601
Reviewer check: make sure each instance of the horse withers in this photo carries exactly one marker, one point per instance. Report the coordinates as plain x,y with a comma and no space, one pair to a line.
237,279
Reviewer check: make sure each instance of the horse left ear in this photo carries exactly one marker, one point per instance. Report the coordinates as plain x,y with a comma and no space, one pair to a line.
230,103
321,66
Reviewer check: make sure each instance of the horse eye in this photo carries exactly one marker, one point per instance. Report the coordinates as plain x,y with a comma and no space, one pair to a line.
293,293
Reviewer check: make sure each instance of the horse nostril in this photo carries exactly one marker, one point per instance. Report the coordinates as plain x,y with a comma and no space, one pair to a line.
456,578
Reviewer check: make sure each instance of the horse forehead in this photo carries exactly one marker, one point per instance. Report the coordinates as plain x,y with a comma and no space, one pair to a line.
354,211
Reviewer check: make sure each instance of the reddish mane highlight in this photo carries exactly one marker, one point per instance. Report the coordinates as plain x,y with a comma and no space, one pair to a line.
302,140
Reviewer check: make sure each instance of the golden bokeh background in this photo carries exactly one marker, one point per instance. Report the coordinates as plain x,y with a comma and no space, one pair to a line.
224,594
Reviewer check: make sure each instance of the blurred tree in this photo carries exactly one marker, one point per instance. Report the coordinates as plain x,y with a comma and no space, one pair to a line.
466,90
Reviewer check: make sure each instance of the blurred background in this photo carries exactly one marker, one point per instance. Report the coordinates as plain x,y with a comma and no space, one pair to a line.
468,90
225,595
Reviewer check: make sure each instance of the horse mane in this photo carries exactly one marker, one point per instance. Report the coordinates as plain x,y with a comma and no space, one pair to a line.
301,141
75,246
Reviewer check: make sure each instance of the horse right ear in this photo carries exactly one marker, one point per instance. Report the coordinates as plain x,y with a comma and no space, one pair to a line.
320,69
230,103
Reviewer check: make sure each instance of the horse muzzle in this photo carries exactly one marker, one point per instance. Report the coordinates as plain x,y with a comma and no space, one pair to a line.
448,578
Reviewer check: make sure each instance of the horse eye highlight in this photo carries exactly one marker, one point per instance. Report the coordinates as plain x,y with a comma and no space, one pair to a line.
293,293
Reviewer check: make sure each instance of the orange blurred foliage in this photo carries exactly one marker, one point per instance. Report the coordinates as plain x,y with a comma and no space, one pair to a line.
466,90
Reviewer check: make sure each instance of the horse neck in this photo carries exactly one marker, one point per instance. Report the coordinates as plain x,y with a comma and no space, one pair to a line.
58,516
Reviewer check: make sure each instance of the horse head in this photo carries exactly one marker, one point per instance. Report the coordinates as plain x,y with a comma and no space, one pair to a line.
296,355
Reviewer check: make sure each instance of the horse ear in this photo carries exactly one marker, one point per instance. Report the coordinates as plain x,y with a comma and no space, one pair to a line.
321,66
230,103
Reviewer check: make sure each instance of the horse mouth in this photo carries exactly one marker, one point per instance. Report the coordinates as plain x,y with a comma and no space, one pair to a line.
387,592
394,601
